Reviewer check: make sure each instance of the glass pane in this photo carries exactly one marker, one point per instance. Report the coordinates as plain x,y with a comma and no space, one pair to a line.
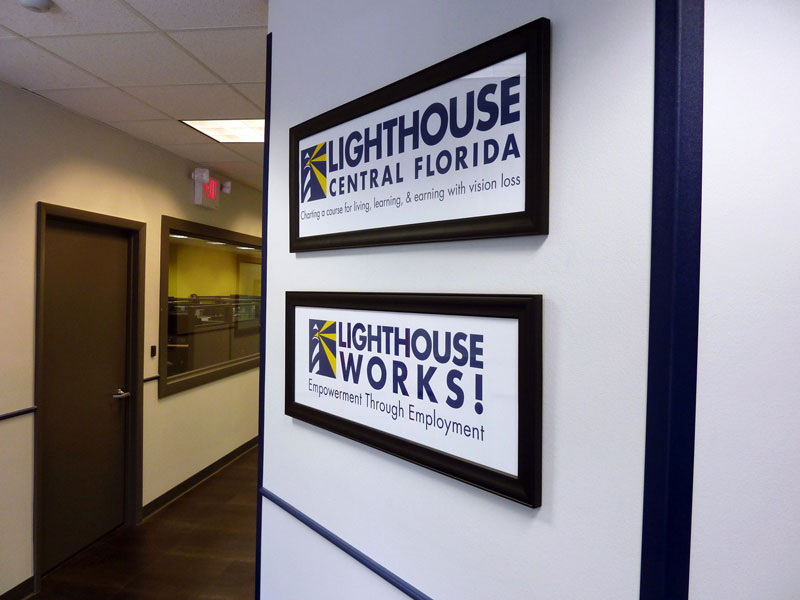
214,303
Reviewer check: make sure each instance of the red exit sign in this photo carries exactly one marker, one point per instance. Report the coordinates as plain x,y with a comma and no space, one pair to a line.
207,194
211,189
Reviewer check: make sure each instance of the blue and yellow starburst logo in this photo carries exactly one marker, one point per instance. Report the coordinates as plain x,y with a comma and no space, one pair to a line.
314,172
322,348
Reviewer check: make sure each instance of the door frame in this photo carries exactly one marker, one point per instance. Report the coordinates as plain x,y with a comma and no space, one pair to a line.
135,231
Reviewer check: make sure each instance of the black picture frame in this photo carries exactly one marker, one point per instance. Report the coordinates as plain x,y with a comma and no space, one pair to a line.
525,488
533,39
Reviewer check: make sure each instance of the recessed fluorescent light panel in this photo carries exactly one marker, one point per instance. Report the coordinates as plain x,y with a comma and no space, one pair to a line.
231,131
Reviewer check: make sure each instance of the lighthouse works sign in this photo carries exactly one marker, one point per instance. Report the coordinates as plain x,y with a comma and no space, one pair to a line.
459,150
452,382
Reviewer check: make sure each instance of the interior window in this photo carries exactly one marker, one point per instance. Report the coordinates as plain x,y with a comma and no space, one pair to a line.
212,304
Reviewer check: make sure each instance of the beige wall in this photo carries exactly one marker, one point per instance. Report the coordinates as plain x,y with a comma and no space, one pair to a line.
16,501
50,155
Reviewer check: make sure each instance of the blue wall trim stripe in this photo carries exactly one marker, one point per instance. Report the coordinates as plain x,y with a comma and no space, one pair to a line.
18,413
263,326
365,560
674,300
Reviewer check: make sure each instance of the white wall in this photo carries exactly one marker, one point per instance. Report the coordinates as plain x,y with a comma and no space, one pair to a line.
286,565
51,155
446,538
745,526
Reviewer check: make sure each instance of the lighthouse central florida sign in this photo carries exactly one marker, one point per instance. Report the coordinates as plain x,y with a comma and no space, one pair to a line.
459,150
452,382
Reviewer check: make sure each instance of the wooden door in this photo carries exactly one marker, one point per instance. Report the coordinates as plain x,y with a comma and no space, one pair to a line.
85,315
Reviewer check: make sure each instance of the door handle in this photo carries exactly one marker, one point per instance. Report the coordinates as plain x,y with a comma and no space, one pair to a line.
120,395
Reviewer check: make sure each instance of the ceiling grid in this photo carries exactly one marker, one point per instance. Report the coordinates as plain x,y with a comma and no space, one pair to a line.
143,66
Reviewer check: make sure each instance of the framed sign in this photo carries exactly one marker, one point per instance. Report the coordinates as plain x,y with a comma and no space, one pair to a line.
456,151
449,382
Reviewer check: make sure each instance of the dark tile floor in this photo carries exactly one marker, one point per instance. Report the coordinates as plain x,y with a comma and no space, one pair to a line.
202,546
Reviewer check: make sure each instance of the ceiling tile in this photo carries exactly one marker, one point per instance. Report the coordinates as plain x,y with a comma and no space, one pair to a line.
236,55
203,153
194,102
130,58
245,172
255,180
69,17
104,104
5,34
23,64
254,91
203,14
163,132
251,151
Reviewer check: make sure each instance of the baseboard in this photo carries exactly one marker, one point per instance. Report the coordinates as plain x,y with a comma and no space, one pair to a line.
23,590
180,489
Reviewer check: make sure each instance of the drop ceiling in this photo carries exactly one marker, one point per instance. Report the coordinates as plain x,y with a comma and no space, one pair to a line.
142,66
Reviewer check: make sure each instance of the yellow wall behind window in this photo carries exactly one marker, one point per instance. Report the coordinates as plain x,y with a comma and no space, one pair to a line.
250,278
202,271
173,271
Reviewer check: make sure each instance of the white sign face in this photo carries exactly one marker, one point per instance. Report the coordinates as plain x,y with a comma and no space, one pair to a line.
445,382
455,151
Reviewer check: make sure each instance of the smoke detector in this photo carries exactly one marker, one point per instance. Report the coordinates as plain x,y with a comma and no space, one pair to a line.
37,5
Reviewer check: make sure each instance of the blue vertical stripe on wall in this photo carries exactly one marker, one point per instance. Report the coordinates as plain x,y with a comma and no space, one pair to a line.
674,297
264,248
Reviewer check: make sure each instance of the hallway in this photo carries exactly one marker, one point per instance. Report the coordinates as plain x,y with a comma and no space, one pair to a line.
201,546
